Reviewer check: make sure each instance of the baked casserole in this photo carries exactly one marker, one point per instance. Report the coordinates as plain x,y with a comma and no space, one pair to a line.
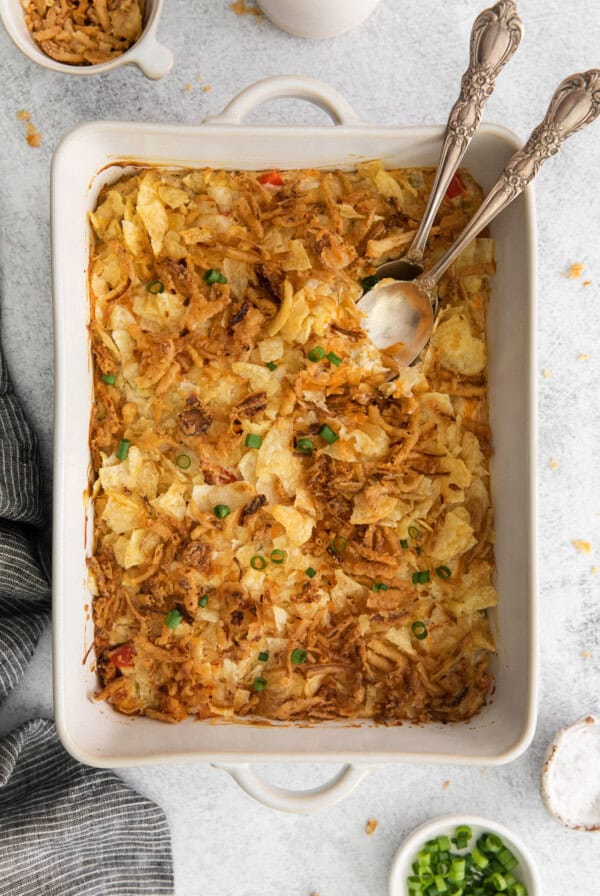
287,526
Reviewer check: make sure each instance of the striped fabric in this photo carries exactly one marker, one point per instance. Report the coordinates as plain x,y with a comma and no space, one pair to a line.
65,829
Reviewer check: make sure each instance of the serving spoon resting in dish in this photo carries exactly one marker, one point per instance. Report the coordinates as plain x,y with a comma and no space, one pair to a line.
399,315
495,37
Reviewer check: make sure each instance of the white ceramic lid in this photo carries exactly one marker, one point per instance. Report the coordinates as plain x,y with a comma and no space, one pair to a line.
571,775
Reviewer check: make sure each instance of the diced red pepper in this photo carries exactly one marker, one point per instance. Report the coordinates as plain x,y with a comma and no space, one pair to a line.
123,657
455,187
272,178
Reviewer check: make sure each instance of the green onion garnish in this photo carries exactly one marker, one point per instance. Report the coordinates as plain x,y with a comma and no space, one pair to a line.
463,830
173,618
263,656
507,859
404,543
123,449
109,378
272,365
203,600
316,353
310,572
258,562
214,276
253,440
221,511
491,843
375,587
414,532
335,359
183,461
277,557
259,684
155,287
421,577
338,544
328,434
298,656
305,446
368,283
380,586
419,630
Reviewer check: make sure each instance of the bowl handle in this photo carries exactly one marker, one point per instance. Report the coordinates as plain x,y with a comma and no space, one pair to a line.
299,801
291,86
154,59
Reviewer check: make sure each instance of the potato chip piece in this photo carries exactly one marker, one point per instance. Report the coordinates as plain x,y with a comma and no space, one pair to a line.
123,513
270,349
373,504
455,536
152,212
174,197
234,494
237,276
105,214
136,549
458,350
284,310
276,456
172,501
296,257
298,525
134,238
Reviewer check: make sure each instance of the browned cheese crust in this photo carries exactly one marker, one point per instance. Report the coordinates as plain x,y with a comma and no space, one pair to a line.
389,506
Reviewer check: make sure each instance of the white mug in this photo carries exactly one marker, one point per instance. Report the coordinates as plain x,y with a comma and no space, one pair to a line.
317,18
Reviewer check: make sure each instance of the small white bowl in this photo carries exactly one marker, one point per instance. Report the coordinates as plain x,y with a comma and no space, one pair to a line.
526,871
571,775
154,60
316,18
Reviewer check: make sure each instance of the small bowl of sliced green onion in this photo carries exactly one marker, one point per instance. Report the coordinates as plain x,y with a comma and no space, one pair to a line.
458,855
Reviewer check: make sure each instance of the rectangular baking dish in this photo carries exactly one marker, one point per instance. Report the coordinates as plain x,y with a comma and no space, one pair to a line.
97,153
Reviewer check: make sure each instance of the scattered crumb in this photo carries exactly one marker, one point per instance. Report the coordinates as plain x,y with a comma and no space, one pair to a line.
585,655
587,283
547,373
371,826
241,9
575,271
595,570
314,893
584,547
583,357
553,463
189,87
34,137
206,88
484,771
446,785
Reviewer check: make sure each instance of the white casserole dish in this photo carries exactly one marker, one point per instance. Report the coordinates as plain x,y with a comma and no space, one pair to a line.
95,154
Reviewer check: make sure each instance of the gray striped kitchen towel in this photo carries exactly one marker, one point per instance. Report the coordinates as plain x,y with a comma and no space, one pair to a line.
65,829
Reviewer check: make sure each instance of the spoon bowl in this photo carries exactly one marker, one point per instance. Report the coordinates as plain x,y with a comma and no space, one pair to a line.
399,318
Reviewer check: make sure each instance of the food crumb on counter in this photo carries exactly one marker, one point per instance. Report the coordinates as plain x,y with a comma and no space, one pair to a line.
207,88
574,271
583,357
189,87
240,8
33,137
585,654
446,785
595,570
553,463
587,283
371,826
584,547
546,373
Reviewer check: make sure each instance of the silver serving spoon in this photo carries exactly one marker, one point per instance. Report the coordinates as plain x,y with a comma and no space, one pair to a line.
495,36
400,315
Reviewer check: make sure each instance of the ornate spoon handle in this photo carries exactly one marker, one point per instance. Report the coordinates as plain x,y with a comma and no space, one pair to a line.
575,104
496,34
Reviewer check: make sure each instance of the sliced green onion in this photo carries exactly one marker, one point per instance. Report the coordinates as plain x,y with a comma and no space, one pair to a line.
305,446
507,859
214,276
259,684
404,543
419,630
456,872
328,434
203,600
463,830
368,283
443,843
183,461
496,881
440,883
490,843
221,511
517,890
155,287
338,544
109,378
316,353
263,656
335,359
253,440
375,587
310,572
479,859
380,586
258,562
173,618
298,656
443,572
277,556
414,532
272,365
123,449
421,577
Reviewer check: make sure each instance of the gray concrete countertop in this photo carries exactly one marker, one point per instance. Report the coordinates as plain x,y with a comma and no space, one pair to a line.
401,67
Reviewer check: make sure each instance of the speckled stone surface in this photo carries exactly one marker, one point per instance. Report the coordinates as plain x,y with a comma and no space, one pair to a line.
402,66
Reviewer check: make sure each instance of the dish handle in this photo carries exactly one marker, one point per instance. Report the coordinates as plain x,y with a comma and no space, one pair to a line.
291,87
154,59
299,801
